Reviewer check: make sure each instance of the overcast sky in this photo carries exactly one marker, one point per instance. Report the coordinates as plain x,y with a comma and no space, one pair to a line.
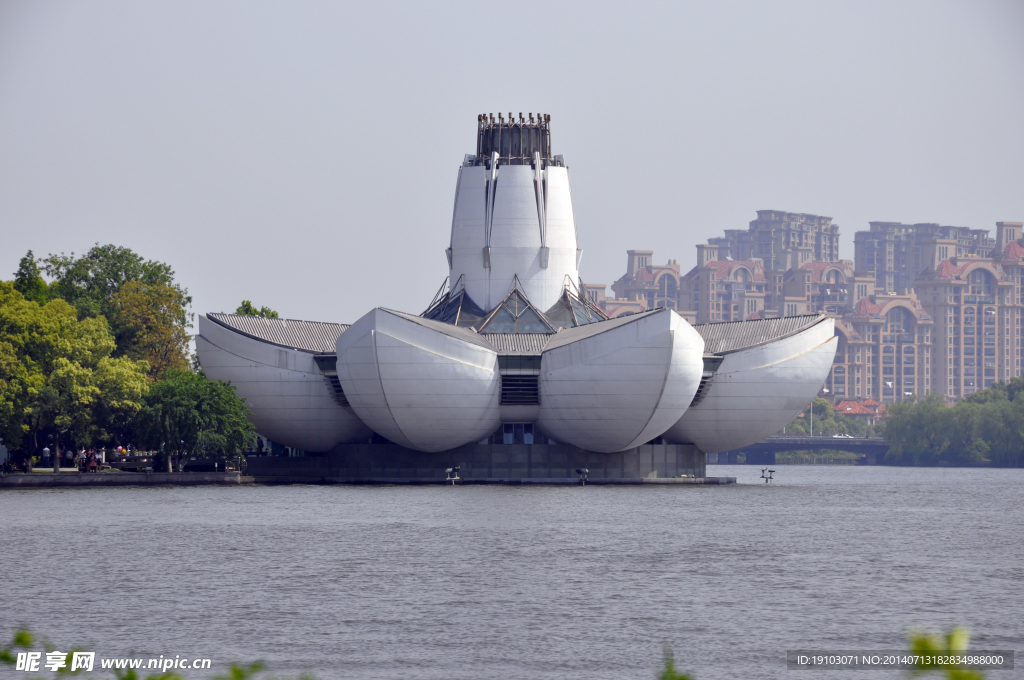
304,155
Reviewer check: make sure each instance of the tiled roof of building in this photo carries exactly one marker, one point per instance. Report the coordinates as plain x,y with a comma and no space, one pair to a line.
871,403
950,270
643,275
818,269
732,336
853,408
308,336
725,267
1013,251
519,343
866,308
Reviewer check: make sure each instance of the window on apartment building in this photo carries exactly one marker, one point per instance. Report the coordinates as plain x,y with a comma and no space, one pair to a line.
667,286
980,283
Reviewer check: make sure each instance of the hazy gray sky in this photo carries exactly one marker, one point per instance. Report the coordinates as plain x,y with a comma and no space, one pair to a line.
304,155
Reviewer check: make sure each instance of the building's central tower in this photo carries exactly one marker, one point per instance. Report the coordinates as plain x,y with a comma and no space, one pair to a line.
513,215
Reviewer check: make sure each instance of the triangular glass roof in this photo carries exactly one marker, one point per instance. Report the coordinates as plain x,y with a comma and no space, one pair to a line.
515,314
571,311
457,309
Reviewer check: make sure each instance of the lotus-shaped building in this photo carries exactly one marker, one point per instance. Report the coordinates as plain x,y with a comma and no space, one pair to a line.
509,345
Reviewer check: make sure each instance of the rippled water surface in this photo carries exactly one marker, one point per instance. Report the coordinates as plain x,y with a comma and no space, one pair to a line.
522,582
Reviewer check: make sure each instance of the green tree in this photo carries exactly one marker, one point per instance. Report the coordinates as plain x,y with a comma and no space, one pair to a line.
147,311
987,426
29,282
917,431
9,384
123,386
67,401
89,282
187,414
247,309
151,324
48,385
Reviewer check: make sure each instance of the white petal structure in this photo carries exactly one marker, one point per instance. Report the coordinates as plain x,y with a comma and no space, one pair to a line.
614,385
423,384
497,233
290,400
758,389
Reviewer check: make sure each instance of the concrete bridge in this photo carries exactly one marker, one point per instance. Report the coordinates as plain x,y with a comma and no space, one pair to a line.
870,450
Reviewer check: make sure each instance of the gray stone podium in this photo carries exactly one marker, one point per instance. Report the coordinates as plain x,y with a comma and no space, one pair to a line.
486,464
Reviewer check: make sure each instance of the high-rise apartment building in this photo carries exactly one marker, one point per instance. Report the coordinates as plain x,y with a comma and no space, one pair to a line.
781,240
897,253
885,350
976,304
958,289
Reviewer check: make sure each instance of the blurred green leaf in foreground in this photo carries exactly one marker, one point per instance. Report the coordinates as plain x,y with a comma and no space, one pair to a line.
953,643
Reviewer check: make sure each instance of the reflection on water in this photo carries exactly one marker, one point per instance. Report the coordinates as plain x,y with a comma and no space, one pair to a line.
524,582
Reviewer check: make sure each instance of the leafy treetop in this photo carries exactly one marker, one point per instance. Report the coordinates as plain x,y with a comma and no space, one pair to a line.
29,282
247,309
90,282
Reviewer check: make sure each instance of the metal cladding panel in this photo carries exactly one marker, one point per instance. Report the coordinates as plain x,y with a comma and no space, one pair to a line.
731,336
569,335
618,389
283,388
519,343
307,336
514,239
429,389
757,391
463,334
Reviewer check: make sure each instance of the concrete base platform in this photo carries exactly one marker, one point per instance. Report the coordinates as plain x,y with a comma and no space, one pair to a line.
488,464
511,482
78,479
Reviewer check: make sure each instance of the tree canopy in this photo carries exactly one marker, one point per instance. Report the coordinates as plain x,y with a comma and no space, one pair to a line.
90,282
148,312
29,282
248,309
152,325
185,412
987,426
54,368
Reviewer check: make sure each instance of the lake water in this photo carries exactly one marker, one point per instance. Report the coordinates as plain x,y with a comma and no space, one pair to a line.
522,582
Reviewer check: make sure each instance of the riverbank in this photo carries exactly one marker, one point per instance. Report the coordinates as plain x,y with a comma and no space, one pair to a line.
78,479
37,480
